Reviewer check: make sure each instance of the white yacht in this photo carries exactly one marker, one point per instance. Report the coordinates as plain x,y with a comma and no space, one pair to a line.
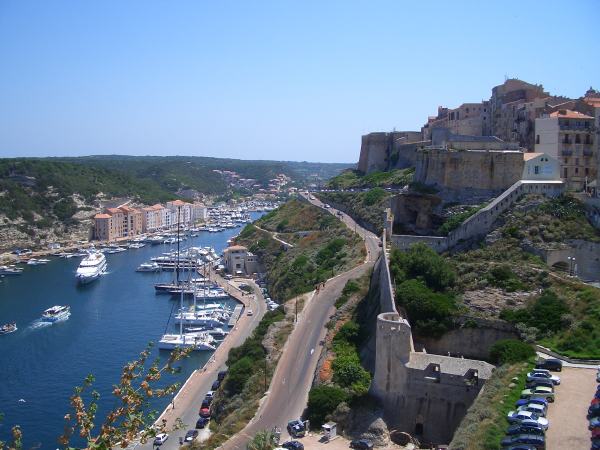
199,341
56,313
10,270
91,267
148,267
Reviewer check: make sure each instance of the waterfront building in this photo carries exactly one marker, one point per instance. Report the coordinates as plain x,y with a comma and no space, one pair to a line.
151,219
569,136
182,208
239,261
103,227
133,220
199,212
118,222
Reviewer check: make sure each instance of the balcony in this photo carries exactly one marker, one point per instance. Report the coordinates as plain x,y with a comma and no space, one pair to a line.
588,152
566,153
589,128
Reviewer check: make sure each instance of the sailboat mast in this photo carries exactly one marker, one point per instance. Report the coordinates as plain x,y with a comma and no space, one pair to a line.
177,267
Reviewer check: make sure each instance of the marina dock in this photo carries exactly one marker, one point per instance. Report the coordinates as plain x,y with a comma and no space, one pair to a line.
235,315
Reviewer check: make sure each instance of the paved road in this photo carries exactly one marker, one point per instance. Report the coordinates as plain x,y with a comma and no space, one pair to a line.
188,400
567,415
288,392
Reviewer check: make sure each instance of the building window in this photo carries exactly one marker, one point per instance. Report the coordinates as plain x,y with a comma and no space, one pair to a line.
576,161
577,139
566,160
587,139
565,171
576,170
587,171
536,170
537,139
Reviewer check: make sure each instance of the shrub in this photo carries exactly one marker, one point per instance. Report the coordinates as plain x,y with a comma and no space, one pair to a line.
322,400
510,351
373,196
423,263
430,312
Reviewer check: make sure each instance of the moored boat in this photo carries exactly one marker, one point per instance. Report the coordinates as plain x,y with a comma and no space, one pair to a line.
8,328
91,267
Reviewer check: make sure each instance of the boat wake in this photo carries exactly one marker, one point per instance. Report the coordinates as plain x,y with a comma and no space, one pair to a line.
39,324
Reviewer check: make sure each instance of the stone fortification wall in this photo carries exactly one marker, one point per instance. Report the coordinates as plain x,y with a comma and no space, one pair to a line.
385,151
470,171
479,224
473,339
423,394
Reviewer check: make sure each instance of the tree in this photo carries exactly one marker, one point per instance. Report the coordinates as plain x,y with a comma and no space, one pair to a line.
322,400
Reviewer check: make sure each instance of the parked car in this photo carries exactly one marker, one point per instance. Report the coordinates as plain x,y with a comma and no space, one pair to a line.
293,445
229,277
160,439
222,374
555,365
595,444
215,385
543,375
296,428
593,411
596,433
536,400
202,422
539,442
540,410
361,444
545,383
594,422
210,394
206,403
525,427
250,312
519,416
539,391
520,447
190,435
205,412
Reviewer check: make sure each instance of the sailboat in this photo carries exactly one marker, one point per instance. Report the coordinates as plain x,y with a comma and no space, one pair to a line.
199,341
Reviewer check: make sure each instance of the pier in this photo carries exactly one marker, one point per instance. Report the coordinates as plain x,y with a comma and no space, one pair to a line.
235,315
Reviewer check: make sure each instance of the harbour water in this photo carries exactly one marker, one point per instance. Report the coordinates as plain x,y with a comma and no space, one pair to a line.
112,320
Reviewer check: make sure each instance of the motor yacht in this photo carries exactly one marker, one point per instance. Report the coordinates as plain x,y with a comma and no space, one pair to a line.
8,328
91,267
56,313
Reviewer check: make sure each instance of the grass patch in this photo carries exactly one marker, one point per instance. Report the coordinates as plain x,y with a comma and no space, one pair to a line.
364,206
485,424
323,247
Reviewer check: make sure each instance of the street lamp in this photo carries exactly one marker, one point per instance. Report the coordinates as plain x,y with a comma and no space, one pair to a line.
571,264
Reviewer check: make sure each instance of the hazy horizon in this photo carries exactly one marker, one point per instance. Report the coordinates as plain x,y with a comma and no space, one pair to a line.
265,81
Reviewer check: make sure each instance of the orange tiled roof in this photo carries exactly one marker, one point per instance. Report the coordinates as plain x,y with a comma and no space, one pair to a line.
178,203
569,114
530,155
592,101
114,210
102,216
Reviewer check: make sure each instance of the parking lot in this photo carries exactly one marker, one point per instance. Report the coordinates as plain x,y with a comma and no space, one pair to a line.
567,415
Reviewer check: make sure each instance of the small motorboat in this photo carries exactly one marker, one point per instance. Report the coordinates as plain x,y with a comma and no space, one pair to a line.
8,328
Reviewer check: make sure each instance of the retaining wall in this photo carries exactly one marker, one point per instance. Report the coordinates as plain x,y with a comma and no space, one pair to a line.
480,223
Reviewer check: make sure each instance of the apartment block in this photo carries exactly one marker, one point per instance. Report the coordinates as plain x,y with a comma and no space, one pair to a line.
570,137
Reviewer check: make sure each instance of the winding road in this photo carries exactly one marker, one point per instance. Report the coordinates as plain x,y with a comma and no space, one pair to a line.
288,393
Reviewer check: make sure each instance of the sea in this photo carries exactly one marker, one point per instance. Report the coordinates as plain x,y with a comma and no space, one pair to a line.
112,320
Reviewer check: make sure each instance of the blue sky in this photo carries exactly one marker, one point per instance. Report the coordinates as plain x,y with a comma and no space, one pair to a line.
294,80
